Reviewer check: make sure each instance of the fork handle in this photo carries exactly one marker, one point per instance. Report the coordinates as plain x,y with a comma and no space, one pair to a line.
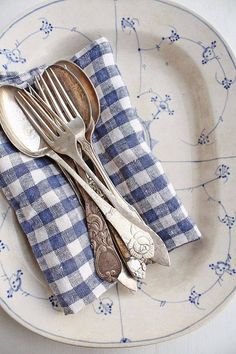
120,245
161,255
113,239
107,261
137,241
107,244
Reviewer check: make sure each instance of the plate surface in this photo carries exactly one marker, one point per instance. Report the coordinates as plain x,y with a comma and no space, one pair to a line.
181,77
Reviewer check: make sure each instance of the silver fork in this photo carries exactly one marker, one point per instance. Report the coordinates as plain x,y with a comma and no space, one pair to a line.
60,100
138,242
57,96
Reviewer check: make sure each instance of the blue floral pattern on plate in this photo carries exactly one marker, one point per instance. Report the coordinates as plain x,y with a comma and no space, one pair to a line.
162,107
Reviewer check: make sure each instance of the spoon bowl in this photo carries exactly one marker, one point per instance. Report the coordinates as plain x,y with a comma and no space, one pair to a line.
89,88
16,125
20,132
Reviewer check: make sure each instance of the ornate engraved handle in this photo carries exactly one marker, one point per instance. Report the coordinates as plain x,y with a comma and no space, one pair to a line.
107,261
138,241
160,253
135,266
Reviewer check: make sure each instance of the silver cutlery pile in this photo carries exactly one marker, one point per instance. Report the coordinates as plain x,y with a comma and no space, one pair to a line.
57,117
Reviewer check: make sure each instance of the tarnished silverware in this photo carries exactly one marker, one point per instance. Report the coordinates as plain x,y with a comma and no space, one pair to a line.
25,138
72,88
88,86
107,262
138,241
62,138
58,95
76,90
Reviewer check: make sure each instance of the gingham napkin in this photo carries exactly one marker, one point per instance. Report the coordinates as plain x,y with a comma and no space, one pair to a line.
47,208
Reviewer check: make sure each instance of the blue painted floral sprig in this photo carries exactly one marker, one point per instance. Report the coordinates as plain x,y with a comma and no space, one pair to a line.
3,246
46,27
104,307
194,297
222,267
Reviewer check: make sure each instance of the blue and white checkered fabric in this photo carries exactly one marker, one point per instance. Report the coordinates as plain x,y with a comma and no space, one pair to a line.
50,214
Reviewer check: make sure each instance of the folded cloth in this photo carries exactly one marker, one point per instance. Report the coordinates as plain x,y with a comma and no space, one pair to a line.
50,214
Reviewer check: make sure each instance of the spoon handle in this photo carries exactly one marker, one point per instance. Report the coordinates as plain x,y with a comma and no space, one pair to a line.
160,255
111,243
107,261
137,241
120,245
115,237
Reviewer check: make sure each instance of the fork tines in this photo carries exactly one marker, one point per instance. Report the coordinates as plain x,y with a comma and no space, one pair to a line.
40,115
54,91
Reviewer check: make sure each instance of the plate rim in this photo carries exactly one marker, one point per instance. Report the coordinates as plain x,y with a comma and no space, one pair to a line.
197,324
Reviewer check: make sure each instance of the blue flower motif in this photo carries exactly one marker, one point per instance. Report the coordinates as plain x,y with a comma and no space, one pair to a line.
127,22
223,172
228,220
104,307
226,83
203,138
174,36
222,267
162,105
194,297
46,27
15,282
3,246
53,301
12,56
154,99
209,53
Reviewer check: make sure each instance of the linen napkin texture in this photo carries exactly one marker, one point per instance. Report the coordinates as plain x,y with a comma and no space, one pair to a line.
50,214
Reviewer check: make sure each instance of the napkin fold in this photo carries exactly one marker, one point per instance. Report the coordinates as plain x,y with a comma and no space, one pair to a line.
47,209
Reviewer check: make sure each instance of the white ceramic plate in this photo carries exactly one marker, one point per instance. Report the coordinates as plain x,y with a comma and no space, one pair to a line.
181,77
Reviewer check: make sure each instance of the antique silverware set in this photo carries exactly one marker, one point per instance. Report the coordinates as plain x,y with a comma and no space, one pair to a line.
56,117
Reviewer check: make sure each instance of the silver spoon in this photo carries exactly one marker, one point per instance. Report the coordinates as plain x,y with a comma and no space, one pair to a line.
24,137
